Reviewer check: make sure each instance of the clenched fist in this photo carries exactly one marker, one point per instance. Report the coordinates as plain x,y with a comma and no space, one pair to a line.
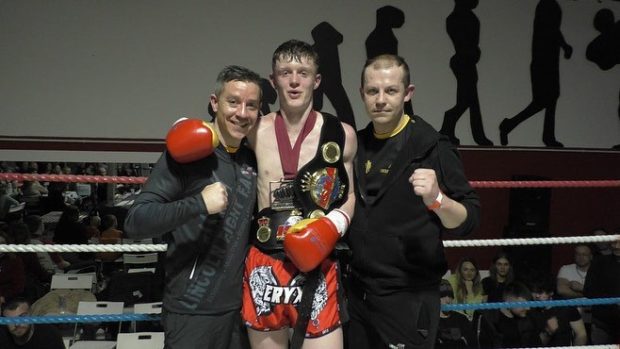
424,181
215,197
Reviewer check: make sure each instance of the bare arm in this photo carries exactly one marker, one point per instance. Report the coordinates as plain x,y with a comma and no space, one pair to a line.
580,336
565,290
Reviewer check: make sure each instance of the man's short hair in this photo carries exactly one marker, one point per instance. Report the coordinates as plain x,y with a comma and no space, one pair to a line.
517,290
388,61
236,73
295,50
542,283
14,303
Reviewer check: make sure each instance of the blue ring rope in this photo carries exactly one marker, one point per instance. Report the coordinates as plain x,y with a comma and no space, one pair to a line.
155,317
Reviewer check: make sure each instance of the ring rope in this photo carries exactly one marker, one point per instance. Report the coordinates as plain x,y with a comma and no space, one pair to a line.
58,319
11,176
447,243
151,317
534,304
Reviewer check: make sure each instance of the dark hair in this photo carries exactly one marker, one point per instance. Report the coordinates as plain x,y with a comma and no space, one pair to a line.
108,221
236,73
387,61
517,290
445,289
493,269
13,303
542,283
295,50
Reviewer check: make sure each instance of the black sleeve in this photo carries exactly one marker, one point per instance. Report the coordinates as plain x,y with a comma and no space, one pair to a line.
454,183
160,207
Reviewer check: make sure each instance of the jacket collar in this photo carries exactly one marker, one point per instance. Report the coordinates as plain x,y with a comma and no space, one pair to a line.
422,138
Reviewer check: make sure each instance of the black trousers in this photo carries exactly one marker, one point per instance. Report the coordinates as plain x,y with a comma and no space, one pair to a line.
221,331
400,320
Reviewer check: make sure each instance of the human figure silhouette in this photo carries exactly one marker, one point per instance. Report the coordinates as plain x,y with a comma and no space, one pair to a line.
326,41
464,30
269,96
382,39
547,41
604,50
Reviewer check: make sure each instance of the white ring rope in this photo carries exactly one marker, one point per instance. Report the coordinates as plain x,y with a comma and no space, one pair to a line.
446,243
531,241
601,346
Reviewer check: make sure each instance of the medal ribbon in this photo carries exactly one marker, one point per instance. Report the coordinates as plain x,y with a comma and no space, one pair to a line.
289,156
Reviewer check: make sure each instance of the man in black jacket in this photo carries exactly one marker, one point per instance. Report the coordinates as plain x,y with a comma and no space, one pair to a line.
200,203
411,188
27,336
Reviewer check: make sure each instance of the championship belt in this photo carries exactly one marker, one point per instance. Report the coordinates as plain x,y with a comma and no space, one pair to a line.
319,186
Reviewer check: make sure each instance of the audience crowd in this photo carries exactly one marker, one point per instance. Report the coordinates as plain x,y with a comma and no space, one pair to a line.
25,277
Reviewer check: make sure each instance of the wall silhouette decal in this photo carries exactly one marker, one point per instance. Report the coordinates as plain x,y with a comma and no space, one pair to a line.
269,96
463,27
547,41
326,41
604,50
382,39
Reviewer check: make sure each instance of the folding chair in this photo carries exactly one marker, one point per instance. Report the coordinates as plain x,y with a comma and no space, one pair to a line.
72,281
139,260
147,326
142,340
99,308
137,241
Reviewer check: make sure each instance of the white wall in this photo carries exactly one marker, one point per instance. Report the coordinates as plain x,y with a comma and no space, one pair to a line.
129,68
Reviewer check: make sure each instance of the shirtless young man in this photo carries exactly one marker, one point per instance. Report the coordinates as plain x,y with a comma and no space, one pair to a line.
305,201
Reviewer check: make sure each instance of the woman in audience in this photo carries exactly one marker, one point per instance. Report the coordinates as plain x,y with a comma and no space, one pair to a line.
500,274
467,285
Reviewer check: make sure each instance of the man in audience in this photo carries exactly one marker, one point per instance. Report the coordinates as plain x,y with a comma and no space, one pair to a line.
603,280
511,327
27,336
52,262
12,272
570,328
572,277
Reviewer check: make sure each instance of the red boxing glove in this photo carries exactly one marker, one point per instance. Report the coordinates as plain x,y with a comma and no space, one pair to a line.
310,241
191,139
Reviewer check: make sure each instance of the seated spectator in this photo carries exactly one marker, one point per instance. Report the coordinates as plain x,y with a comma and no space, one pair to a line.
109,235
92,229
603,281
601,248
36,278
27,336
6,201
33,189
563,325
467,285
500,274
52,262
572,277
509,327
455,330
11,272
70,230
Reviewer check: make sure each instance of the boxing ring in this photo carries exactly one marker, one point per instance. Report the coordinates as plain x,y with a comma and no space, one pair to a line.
447,244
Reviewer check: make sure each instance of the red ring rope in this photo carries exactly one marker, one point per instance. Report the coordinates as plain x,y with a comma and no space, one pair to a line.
139,180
